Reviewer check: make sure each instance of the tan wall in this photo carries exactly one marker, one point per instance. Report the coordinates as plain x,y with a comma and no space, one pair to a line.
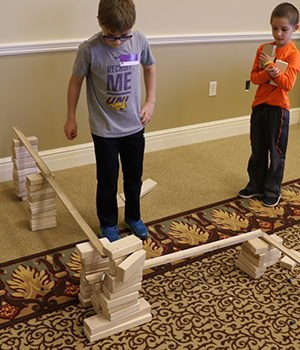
33,87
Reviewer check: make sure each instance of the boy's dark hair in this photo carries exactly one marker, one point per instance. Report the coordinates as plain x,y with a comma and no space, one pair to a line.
286,10
117,14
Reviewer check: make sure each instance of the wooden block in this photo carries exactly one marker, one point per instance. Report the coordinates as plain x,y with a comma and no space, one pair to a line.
38,187
94,259
97,287
251,267
85,250
40,204
43,220
287,262
130,289
44,214
244,268
114,285
95,268
21,166
43,226
40,197
108,304
85,292
131,265
113,265
22,160
36,179
272,255
270,50
147,186
257,260
18,143
120,201
98,326
256,246
121,313
96,305
37,192
282,66
278,239
122,247
284,250
41,209
95,277
21,152
28,171
84,302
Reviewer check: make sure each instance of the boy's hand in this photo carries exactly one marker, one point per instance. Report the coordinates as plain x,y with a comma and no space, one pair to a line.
70,129
264,58
273,72
146,112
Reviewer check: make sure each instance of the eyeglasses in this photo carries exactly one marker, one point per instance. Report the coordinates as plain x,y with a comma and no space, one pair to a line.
114,38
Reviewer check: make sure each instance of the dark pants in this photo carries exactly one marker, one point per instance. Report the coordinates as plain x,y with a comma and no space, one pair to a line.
269,138
107,151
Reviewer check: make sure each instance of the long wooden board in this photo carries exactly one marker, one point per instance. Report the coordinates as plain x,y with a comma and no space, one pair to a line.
187,253
95,242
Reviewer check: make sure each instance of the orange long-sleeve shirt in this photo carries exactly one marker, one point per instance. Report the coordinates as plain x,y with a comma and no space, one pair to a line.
276,95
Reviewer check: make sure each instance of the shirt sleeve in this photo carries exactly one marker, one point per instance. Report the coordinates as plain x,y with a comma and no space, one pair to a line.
82,62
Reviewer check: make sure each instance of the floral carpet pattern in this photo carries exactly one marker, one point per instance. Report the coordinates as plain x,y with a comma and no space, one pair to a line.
204,300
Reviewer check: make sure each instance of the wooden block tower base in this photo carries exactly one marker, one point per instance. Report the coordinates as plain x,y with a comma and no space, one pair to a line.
113,289
257,255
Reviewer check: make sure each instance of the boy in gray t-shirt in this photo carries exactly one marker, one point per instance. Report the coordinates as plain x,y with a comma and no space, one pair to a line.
110,61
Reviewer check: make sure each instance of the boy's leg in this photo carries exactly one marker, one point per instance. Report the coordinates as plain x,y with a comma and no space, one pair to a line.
278,128
107,161
132,157
258,162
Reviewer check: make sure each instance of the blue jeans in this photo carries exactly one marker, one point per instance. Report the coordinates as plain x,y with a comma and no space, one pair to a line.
131,151
269,139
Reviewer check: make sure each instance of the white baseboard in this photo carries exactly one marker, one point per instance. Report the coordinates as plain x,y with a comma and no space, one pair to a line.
69,157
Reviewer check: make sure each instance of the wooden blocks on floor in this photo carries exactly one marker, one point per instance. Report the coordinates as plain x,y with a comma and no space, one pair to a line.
257,255
113,288
147,186
23,165
40,203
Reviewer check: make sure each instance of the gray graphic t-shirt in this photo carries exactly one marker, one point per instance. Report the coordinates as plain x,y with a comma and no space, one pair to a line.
113,83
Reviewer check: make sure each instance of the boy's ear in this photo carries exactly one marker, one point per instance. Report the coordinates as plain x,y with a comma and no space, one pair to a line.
296,27
99,21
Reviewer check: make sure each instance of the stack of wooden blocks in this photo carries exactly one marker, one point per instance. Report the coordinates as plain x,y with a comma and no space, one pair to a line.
23,165
93,266
41,203
115,291
257,255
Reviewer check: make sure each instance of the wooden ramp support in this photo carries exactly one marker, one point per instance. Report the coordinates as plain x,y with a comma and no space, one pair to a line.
95,242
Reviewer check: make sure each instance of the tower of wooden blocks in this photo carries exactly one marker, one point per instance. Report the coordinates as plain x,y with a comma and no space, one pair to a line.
257,255
23,165
41,203
115,290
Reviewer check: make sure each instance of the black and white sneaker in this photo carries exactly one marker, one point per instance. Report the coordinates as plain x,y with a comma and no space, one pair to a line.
271,201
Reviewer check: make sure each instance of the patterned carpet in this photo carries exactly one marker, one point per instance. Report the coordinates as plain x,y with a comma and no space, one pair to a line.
200,303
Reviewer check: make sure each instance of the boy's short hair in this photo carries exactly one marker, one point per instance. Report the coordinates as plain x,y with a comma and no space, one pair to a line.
117,14
287,10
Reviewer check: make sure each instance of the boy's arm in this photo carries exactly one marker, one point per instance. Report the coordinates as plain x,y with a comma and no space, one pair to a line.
150,85
287,80
261,76
74,89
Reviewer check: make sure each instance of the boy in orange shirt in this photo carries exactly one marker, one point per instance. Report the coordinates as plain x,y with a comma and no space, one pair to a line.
270,109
